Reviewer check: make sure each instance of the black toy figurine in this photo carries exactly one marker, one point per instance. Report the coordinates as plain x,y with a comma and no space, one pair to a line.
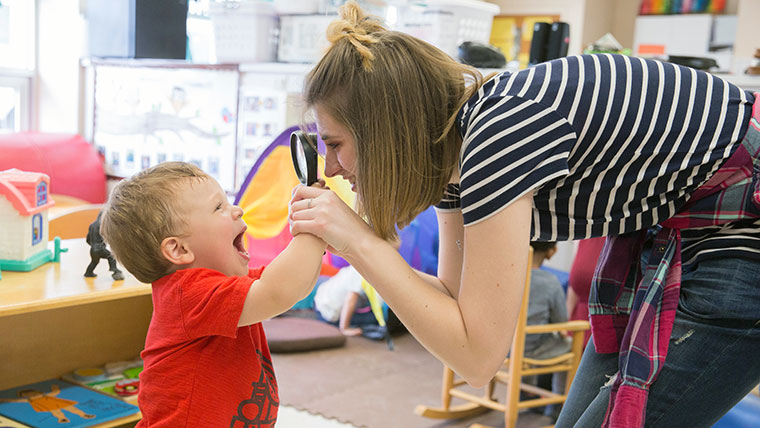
98,250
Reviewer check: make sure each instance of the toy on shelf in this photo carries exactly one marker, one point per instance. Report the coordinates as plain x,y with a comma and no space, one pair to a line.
98,250
754,68
24,205
118,379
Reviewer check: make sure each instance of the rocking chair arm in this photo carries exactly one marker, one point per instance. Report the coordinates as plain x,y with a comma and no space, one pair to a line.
557,327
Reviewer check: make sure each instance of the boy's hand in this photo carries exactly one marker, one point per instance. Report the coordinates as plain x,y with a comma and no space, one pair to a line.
320,183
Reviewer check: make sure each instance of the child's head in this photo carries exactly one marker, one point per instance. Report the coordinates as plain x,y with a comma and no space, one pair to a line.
173,216
543,250
397,98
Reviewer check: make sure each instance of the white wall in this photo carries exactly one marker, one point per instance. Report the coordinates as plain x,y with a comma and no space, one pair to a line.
747,33
61,39
624,20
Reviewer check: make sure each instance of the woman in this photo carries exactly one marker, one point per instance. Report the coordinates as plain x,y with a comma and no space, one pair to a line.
650,154
581,277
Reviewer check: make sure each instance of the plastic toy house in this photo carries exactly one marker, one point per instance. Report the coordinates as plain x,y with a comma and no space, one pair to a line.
24,204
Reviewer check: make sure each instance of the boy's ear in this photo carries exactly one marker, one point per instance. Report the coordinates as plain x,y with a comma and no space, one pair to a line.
550,252
176,251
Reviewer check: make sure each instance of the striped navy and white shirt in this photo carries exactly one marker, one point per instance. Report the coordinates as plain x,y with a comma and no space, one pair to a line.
607,144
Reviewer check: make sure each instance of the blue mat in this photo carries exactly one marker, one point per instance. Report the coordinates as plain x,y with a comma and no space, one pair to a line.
746,414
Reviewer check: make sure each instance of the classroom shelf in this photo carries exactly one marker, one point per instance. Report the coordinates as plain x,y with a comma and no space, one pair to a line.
54,320
59,285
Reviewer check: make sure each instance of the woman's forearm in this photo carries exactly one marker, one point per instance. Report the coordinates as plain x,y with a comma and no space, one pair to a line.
471,329
471,336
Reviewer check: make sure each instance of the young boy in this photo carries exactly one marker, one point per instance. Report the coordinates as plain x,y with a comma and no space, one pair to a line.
546,305
207,363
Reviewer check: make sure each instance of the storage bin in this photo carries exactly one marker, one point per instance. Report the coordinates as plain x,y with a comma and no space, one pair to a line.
447,23
303,37
244,31
298,7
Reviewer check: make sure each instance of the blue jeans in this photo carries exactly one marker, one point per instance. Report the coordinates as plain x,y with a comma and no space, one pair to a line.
713,358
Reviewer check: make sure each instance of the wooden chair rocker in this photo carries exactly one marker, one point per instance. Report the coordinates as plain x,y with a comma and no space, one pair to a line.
515,367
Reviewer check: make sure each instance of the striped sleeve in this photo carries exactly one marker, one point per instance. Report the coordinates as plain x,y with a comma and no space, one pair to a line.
450,200
511,146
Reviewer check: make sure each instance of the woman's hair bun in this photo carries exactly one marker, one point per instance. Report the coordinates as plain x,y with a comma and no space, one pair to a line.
357,28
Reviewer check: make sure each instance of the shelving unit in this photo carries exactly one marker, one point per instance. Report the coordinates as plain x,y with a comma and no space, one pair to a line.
54,320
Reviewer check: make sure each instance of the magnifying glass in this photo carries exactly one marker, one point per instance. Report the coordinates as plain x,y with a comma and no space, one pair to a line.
303,149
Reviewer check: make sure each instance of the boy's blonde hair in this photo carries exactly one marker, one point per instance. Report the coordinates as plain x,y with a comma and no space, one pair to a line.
399,97
141,212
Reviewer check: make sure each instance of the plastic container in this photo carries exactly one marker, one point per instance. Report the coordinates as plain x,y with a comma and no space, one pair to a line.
303,37
447,23
298,7
244,31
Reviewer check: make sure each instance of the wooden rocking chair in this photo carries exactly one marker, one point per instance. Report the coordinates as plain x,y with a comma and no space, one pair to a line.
73,222
515,367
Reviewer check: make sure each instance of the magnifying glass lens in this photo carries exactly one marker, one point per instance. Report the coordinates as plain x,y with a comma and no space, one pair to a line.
303,167
304,156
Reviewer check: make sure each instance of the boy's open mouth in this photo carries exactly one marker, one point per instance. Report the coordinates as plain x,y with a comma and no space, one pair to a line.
238,244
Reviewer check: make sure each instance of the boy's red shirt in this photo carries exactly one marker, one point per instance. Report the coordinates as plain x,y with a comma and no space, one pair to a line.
201,369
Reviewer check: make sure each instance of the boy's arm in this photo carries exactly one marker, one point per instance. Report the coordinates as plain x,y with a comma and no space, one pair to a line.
347,314
285,280
558,312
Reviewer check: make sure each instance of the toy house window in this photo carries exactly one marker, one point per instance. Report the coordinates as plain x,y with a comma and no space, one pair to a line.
36,229
41,193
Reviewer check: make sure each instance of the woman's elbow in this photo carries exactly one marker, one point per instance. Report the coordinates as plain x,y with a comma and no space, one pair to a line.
478,380
479,376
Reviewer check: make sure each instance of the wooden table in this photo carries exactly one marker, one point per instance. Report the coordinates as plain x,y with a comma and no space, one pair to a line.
53,320
58,285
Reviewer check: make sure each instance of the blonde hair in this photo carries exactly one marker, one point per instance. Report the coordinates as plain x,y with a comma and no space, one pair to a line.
399,97
141,212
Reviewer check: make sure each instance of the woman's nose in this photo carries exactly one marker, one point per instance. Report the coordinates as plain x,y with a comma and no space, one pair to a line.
332,166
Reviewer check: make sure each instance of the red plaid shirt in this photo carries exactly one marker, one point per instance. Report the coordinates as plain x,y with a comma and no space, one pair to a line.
632,313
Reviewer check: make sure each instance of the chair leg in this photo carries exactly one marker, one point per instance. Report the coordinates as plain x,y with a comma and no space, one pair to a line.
489,389
446,411
448,383
513,395
577,350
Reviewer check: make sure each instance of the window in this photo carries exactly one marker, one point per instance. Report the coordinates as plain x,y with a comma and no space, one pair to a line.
36,229
17,54
41,194
17,35
14,103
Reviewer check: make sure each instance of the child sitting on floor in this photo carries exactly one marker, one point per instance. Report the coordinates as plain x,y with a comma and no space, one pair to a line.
338,298
206,359
342,301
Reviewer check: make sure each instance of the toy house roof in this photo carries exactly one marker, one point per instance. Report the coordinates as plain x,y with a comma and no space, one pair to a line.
20,188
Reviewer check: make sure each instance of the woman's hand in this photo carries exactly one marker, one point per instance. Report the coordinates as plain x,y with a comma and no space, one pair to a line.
321,212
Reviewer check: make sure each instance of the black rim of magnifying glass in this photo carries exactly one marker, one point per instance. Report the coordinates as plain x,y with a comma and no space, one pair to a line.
309,152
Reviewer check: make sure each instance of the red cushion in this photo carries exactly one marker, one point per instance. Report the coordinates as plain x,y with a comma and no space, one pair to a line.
73,164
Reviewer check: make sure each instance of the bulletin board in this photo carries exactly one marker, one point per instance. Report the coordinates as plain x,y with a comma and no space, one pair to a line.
147,115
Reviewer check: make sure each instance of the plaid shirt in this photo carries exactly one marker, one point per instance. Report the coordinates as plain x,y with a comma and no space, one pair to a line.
632,312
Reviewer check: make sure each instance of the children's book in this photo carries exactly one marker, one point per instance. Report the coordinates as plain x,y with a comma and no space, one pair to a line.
7,423
56,403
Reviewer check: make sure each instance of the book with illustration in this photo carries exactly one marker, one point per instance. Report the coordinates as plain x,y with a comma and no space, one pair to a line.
56,403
